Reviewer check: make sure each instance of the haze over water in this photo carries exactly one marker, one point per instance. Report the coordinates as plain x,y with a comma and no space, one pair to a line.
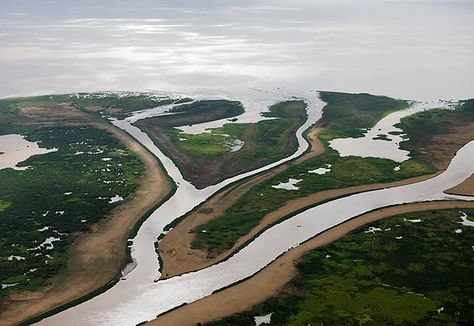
407,49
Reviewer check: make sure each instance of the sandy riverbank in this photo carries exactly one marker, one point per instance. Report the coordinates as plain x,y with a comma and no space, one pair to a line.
464,189
95,258
270,281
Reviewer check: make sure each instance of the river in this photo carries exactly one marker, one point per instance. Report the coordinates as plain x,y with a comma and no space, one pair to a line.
139,298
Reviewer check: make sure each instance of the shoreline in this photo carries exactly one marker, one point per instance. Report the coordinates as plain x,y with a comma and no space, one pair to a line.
272,278
231,182
463,189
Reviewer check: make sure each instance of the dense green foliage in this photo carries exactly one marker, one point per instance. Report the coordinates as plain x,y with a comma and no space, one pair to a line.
62,192
411,269
248,211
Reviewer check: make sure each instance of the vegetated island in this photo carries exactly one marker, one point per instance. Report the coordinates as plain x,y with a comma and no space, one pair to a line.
210,157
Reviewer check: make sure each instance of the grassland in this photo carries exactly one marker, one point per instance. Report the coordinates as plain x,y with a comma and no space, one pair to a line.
349,115
410,269
62,193
220,234
208,158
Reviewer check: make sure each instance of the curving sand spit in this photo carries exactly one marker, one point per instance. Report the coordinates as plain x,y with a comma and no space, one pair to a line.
95,258
269,281
464,189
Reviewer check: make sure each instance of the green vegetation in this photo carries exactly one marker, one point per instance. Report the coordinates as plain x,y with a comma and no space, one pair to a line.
120,104
396,271
62,193
381,137
4,205
213,144
197,112
247,212
239,219
207,158
268,137
349,115
10,107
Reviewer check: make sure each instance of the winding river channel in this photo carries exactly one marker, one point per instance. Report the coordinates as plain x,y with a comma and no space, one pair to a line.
139,298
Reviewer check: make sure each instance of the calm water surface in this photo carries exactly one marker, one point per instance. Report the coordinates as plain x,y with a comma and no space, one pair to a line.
409,49
371,146
15,148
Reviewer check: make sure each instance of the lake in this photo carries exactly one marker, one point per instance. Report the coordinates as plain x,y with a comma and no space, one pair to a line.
15,148
407,49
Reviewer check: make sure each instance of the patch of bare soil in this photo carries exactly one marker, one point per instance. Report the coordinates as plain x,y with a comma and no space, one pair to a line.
94,258
50,114
465,189
271,280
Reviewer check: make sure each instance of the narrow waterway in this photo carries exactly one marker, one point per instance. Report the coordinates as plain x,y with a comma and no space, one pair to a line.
139,298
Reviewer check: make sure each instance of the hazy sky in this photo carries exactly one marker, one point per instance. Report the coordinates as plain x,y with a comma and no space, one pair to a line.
410,49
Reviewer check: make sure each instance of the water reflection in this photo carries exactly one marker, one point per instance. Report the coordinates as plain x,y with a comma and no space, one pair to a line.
15,148
413,49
